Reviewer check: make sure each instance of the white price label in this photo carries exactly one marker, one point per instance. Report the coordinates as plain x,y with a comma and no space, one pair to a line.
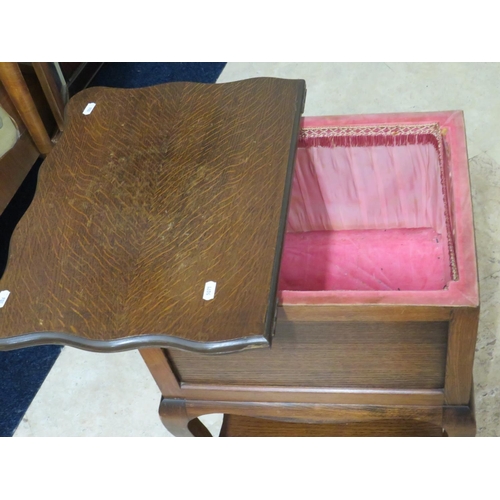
4,295
209,292
89,108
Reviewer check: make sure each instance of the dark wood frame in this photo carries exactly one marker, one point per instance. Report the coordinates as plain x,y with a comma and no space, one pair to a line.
450,407
56,92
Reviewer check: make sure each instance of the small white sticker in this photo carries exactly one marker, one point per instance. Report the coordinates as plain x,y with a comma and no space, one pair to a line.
89,108
209,292
4,295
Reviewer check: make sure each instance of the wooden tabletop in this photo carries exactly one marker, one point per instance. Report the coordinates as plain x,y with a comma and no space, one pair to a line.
142,202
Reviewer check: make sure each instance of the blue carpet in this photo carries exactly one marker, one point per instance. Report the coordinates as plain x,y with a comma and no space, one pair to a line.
22,372
133,75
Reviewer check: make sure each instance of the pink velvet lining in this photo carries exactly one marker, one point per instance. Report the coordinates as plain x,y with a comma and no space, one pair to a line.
368,222
366,218
377,259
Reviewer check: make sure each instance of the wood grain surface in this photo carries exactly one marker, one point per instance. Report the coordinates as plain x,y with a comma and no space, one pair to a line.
381,355
309,413
294,419
236,426
143,201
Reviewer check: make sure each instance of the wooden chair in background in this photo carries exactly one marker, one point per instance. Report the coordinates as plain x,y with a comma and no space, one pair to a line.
35,96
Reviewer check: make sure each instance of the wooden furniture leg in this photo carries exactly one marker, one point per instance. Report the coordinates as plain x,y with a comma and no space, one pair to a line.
172,408
174,417
459,421
157,363
458,412
460,359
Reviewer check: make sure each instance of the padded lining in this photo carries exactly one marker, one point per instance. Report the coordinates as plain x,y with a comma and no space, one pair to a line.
366,218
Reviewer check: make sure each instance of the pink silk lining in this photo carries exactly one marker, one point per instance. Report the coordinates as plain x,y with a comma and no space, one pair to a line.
366,218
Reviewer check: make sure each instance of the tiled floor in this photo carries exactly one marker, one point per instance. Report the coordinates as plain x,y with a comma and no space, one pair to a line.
90,394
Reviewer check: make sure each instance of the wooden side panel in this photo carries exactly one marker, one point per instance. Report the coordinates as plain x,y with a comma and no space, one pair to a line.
399,355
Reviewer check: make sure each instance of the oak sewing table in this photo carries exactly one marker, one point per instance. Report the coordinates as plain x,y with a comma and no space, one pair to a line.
159,224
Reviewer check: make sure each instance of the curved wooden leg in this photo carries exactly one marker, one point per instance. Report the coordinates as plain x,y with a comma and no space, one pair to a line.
459,421
174,417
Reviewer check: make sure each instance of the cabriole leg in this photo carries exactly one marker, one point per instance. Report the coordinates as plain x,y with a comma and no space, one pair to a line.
174,417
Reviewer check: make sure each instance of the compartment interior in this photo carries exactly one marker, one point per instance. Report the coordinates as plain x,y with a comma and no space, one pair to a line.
367,213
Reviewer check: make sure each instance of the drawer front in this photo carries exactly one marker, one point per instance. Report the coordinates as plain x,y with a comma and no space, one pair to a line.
403,355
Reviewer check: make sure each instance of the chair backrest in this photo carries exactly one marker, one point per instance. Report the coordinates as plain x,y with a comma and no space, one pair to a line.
33,96
16,88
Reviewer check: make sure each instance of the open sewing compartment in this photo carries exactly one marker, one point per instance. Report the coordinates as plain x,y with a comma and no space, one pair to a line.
371,214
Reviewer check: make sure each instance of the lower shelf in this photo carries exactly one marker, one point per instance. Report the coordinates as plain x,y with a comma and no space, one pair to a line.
236,426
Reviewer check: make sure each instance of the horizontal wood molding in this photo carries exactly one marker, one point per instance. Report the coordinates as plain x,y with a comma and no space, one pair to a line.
325,395
326,413
379,312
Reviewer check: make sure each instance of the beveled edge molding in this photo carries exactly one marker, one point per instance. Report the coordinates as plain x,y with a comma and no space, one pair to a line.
130,343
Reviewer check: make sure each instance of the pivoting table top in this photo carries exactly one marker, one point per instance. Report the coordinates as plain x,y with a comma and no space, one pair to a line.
158,220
